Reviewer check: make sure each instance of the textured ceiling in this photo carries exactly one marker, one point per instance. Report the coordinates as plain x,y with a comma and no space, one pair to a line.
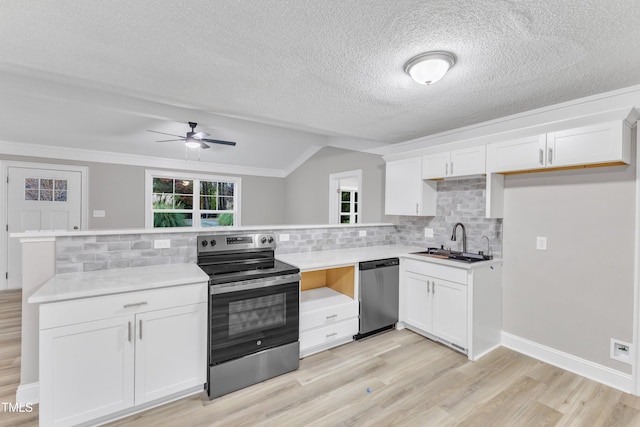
322,68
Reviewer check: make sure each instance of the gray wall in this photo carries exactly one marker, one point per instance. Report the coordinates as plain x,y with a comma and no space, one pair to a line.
578,294
307,188
119,191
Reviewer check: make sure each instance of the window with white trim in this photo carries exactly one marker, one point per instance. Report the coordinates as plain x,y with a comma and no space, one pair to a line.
188,200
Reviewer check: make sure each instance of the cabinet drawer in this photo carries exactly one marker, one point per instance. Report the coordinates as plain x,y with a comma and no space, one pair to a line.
329,333
107,306
458,275
328,315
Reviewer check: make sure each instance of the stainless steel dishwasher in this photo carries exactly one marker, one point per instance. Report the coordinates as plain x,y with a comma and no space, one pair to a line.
379,296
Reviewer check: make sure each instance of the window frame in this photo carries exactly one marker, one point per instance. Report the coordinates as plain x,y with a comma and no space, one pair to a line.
352,214
195,211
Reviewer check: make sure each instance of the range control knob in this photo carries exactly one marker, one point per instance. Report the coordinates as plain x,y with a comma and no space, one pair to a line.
213,242
270,239
263,240
204,243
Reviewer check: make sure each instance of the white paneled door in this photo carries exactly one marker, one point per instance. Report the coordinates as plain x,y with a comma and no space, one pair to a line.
37,200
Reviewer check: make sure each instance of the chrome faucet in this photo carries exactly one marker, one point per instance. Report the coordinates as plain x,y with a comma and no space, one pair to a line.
464,236
488,246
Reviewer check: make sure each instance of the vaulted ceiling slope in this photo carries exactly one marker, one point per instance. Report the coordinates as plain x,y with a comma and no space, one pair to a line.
285,77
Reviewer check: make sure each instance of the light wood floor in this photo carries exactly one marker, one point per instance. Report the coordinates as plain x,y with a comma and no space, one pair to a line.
394,379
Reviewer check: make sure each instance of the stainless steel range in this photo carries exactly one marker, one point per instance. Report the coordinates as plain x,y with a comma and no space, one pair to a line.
253,311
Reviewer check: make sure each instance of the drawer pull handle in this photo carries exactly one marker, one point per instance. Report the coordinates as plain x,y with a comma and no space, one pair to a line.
135,304
332,335
332,316
141,329
129,331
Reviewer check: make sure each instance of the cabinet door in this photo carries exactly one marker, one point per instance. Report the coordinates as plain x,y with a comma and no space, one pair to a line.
436,165
86,370
418,307
517,155
468,161
403,186
171,351
450,312
601,143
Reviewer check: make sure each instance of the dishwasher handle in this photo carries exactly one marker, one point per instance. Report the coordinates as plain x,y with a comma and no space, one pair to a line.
379,263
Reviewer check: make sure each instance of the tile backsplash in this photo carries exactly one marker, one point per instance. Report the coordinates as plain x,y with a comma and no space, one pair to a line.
457,201
103,252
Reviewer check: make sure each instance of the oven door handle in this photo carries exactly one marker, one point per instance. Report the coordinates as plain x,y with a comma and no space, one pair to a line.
225,288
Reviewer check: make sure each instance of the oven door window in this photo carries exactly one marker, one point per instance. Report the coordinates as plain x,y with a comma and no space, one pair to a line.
249,321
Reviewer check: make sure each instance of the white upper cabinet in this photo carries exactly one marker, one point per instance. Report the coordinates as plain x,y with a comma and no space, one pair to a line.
456,163
604,143
517,155
405,191
608,142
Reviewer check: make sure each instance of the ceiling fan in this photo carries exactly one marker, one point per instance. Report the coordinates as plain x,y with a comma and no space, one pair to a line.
194,139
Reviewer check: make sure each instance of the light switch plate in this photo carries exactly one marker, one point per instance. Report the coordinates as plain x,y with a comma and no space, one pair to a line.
428,232
284,237
99,214
541,243
362,233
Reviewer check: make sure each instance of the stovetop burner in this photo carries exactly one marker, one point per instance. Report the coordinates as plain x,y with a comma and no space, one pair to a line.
234,258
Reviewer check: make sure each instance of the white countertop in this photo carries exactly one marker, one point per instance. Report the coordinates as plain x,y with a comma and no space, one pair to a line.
104,282
307,261
71,233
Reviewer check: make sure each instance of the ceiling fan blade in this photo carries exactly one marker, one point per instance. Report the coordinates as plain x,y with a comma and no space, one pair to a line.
203,145
200,135
162,133
171,140
218,141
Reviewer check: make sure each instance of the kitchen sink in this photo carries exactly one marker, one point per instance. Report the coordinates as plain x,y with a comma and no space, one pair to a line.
452,255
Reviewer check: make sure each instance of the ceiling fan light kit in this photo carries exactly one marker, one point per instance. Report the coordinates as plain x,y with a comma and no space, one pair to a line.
194,139
429,67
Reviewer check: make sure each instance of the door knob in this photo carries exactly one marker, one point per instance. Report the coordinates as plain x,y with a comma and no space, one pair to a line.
75,227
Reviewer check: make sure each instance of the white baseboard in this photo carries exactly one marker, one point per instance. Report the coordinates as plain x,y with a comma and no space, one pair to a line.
569,362
28,393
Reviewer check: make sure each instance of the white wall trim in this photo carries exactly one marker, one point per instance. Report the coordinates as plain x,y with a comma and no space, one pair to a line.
4,189
28,393
636,277
78,154
334,181
301,159
569,362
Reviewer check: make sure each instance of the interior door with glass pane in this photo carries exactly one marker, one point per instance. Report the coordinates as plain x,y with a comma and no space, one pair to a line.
38,200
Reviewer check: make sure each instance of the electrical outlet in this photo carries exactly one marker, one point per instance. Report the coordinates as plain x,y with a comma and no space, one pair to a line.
428,232
99,214
284,237
620,351
161,244
541,243
362,233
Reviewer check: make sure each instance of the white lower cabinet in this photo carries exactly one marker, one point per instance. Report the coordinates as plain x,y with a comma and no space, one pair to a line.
327,319
141,348
86,371
460,307
438,307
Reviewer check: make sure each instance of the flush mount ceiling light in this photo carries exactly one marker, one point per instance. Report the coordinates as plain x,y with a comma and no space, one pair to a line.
427,68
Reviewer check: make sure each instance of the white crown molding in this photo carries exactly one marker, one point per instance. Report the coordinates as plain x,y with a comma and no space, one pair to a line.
77,154
618,104
569,362
301,159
